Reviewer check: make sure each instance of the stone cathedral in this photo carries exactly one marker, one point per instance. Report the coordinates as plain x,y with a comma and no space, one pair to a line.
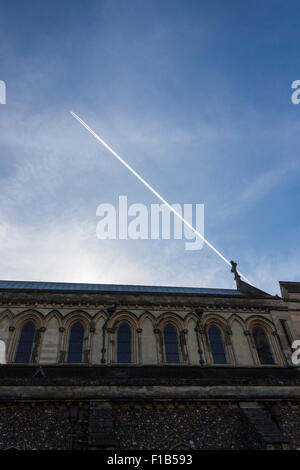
94,366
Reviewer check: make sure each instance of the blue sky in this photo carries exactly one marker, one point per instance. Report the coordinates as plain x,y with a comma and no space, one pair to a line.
195,95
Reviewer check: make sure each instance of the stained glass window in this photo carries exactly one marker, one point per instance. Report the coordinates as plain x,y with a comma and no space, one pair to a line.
217,345
124,343
75,343
171,344
262,345
25,344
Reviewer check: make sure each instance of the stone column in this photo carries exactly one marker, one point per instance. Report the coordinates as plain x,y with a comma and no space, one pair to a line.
228,344
199,332
183,345
37,344
206,345
111,353
159,345
61,352
139,358
9,353
91,342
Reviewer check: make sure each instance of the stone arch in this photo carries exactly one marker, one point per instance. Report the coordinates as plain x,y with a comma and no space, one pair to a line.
20,320
272,337
215,319
189,315
144,316
173,319
52,314
219,322
101,314
260,320
77,316
123,315
170,317
30,314
7,313
236,317
181,445
131,320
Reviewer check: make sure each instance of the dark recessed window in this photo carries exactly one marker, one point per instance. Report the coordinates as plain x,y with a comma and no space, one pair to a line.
171,344
124,343
75,343
262,345
217,345
25,344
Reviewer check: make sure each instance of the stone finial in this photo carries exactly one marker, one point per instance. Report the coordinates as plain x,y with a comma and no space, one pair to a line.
234,270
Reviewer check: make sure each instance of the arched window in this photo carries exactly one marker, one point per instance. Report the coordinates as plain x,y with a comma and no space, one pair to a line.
75,343
171,344
124,344
25,344
217,345
262,345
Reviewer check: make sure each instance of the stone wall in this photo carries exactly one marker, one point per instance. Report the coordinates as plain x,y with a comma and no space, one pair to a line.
165,426
137,425
41,426
290,419
147,314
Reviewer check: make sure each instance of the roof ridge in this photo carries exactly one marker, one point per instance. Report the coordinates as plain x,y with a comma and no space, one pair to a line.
44,285
110,284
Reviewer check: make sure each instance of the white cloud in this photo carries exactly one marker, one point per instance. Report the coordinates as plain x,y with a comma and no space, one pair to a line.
264,184
69,251
267,271
51,152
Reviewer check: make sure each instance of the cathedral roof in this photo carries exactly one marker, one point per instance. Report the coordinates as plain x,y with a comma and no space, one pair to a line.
75,287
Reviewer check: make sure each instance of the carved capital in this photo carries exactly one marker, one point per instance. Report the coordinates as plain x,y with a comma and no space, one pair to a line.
42,329
247,333
139,330
61,329
12,328
92,329
156,331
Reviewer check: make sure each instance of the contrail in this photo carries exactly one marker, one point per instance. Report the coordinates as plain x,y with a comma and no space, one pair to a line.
155,192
